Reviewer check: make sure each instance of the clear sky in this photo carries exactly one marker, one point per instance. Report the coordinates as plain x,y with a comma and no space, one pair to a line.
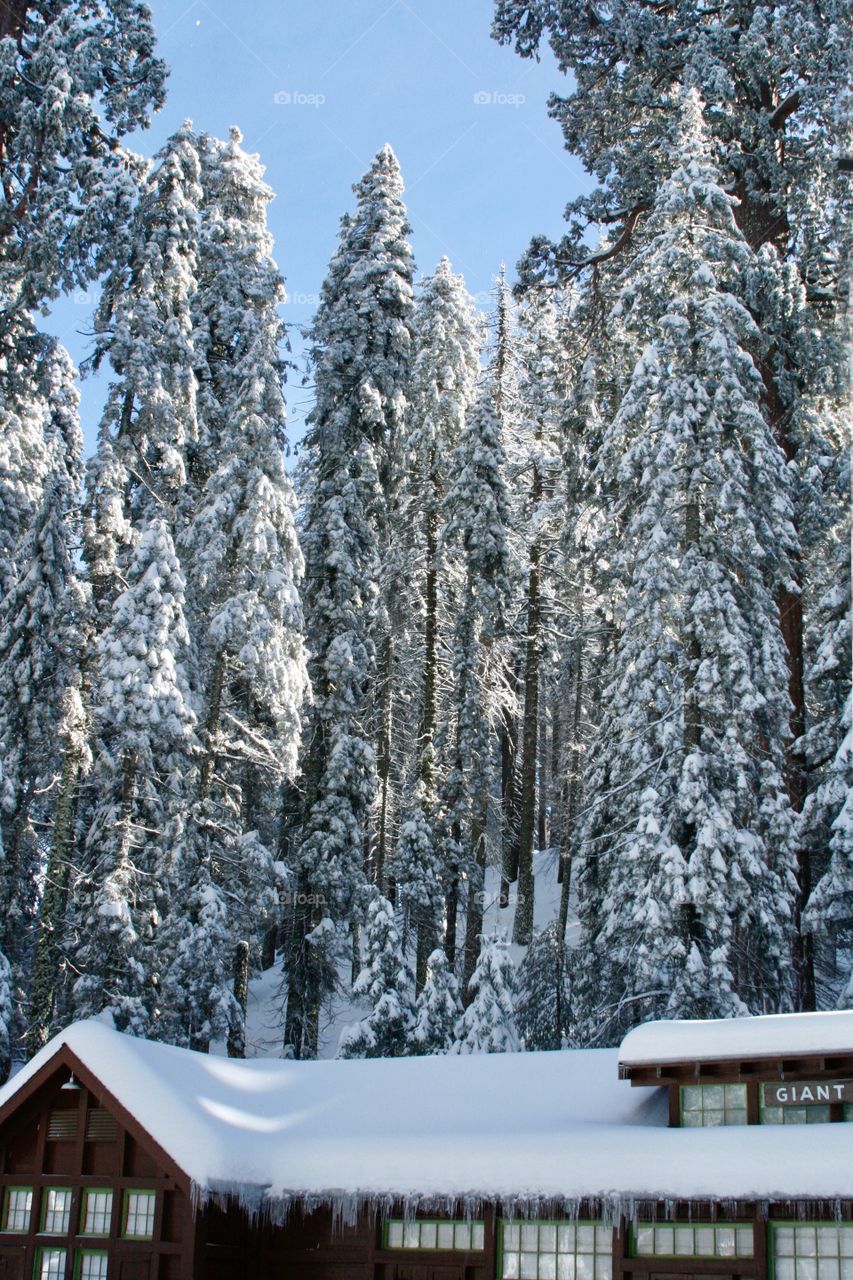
317,86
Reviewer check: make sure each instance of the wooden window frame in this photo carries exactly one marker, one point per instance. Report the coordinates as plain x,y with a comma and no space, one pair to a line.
436,1248
798,1224
41,1250
597,1223
45,1192
734,1225
715,1084
84,1197
7,1196
79,1256
150,1194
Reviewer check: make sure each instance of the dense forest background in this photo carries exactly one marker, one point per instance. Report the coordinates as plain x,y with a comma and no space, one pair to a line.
575,577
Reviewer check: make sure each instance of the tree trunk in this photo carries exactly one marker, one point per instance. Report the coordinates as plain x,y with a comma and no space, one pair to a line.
383,758
52,913
474,917
237,1038
523,927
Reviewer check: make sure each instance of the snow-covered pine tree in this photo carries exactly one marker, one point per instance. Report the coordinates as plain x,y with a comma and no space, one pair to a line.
75,80
40,647
476,521
361,350
543,1010
386,981
144,763
543,389
689,879
243,566
144,325
447,342
777,87
827,817
438,1008
488,1024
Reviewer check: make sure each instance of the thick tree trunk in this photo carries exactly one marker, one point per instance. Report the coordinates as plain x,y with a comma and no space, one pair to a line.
52,913
523,927
237,1038
383,759
474,916
573,783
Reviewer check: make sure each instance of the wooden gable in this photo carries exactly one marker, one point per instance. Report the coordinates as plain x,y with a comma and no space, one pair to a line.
64,1132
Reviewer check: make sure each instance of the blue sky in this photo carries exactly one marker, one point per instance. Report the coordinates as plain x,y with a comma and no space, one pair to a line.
317,86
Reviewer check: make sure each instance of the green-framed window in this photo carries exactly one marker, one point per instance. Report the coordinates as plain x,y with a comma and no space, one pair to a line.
817,1114
811,1251
17,1208
91,1264
434,1233
97,1211
551,1250
692,1240
50,1264
56,1210
138,1215
710,1105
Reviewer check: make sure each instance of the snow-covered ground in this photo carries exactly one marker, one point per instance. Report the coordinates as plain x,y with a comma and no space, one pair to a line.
266,996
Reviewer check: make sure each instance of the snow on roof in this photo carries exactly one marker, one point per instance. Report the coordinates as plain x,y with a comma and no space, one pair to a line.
522,1128
773,1035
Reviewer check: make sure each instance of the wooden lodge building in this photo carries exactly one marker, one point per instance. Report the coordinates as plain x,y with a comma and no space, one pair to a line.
715,1149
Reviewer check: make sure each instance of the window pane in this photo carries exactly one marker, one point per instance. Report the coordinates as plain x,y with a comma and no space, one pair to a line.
478,1236
725,1242
429,1235
395,1235
57,1210
547,1266
645,1241
510,1266
512,1235
845,1242
827,1269
548,1238
685,1244
19,1204
745,1243
93,1266
412,1235
827,1242
664,1240
784,1269
462,1238
530,1236
565,1266
529,1266
566,1237
445,1235
586,1239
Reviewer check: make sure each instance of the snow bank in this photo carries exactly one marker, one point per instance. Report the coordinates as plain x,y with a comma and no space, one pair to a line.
782,1035
526,1129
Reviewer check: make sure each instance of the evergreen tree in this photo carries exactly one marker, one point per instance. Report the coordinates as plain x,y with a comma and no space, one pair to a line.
438,1008
543,1003
488,1024
447,340
145,748
75,80
144,325
386,980
40,643
476,520
361,347
772,81
689,855
244,567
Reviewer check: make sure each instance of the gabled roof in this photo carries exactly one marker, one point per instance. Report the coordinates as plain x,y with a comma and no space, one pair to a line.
521,1128
783,1035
